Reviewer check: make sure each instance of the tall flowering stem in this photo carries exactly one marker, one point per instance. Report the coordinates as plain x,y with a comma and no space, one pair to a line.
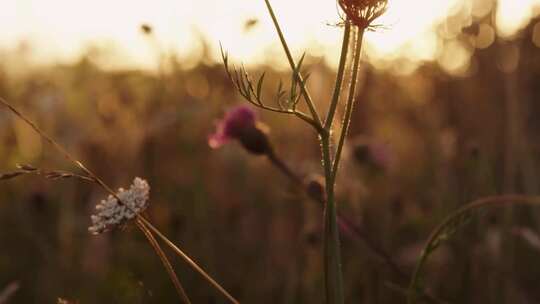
358,17
339,78
359,37
333,277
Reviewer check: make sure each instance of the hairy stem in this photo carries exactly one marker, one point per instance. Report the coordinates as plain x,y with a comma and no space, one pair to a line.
339,78
333,277
350,102
166,263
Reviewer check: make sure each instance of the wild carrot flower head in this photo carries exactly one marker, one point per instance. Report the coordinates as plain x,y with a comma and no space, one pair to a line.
362,13
241,123
111,213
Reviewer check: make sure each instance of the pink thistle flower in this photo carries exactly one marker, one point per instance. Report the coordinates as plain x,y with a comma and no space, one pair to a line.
231,126
240,123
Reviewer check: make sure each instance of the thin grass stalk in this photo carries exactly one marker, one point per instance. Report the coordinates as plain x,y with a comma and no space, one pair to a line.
305,92
190,262
165,261
108,189
490,201
339,78
350,102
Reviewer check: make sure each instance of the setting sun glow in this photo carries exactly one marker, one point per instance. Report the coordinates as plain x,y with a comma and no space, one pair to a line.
61,30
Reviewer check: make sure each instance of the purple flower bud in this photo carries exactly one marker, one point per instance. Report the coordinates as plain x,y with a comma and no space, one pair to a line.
241,123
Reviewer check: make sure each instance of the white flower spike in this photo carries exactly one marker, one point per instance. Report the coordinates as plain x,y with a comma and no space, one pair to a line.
111,213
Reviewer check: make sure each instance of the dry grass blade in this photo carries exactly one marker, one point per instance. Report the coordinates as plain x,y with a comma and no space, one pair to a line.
94,178
190,262
10,175
49,174
166,263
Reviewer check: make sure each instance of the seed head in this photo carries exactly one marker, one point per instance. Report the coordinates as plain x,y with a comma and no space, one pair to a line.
111,213
362,13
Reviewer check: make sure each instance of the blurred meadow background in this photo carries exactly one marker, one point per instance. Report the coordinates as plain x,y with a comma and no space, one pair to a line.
447,113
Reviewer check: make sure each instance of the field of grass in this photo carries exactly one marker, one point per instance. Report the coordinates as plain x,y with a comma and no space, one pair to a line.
421,145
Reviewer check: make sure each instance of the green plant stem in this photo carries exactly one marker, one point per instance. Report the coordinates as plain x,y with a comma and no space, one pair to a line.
490,201
358,231
189,261
333,278
305,92
339,78
350,101
282,166
166,263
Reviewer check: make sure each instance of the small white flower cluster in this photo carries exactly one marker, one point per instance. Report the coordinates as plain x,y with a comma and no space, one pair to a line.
111,213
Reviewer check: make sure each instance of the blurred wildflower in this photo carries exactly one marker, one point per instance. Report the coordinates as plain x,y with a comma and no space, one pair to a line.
111,213
8,292
250,24
362,13
146,29
241,123
372,153
315,188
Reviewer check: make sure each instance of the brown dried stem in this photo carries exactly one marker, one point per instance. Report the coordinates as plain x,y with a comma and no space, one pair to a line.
108,189
166,263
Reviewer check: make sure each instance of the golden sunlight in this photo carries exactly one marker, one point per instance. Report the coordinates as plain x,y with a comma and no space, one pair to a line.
61,30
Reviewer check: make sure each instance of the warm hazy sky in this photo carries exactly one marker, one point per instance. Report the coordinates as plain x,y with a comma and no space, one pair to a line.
60,29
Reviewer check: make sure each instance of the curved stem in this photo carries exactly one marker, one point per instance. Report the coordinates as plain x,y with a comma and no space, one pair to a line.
166,263
305,92
477,204
339,78
350,101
